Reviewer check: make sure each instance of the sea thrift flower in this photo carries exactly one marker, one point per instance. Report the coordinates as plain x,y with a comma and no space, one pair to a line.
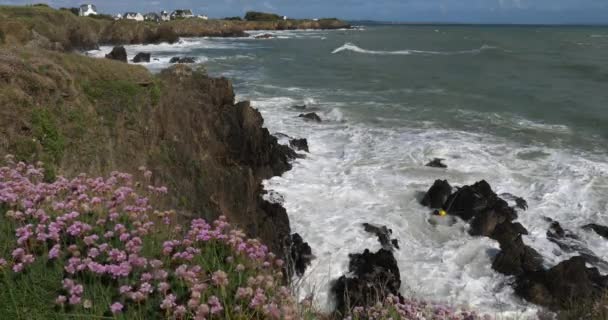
220,278
168,303
61,300
116,308
216,306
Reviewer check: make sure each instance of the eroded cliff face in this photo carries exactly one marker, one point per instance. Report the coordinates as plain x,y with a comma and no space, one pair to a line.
79,114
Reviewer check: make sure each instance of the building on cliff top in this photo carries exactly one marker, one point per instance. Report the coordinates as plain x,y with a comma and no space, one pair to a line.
87,10
204,17
181,14
152,16
165,16
133,16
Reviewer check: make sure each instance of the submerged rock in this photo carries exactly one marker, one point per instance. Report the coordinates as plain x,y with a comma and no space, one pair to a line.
302,107
299,144
264,36
384,235
599,229
141,57
516,258
375,276
118,53
436,163
183,60
437,195
311,116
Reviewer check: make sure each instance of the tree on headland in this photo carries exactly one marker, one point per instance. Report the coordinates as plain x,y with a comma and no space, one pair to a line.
261,16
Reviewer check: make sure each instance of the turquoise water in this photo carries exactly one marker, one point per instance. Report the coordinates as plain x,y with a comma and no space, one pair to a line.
525,108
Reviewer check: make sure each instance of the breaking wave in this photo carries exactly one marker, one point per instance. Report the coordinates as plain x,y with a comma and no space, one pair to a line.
354,48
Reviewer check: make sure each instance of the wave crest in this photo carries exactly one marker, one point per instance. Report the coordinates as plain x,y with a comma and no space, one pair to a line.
354,48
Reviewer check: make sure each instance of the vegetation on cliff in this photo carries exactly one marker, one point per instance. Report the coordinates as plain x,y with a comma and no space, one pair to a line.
62,30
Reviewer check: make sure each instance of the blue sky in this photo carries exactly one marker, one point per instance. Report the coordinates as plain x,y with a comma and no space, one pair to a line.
469,11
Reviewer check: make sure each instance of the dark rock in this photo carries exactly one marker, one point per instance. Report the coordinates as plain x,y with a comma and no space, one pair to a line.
437,194
384,235
556,231
375,276
311,116
118,53
141,57
436,163
508,232
568,285
470,201
485,223
264,36
599,229
183,60
302,107
300,255
516,258
299,144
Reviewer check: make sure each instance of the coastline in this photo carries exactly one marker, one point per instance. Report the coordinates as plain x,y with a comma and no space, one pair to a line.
61,30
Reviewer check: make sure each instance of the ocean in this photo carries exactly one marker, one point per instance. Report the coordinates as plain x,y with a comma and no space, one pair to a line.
525,108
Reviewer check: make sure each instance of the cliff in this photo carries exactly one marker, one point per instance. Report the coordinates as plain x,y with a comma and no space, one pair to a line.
78,114
61,30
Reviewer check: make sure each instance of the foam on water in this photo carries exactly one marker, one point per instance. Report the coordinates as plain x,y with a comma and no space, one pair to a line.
354,48
358,174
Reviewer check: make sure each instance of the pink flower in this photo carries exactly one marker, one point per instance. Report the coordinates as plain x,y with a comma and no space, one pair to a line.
54,252
214,303
116,308
168,303
2,262
74,300
18,267
220,278
61,300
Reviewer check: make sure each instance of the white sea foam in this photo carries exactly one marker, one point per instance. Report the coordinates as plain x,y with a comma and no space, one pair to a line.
358,174
354,48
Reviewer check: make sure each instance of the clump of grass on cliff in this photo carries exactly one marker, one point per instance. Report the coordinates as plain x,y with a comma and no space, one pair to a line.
93,247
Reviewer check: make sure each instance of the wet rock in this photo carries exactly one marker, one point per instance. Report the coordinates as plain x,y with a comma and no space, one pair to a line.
384,235
516,258
141,57
485,223
470,201
437,194
118,53
311,116
299,144
264,36
300,255
508,232
374,277
436,163
599,229
183,60
569,284
302,107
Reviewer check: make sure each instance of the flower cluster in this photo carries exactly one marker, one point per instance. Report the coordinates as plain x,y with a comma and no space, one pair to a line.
400,308
109,241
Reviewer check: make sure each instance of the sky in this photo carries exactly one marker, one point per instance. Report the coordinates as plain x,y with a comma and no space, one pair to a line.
459,11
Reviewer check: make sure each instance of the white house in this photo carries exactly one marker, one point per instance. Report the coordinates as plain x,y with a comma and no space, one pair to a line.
284,17
133,16
118,16
165,16
87,10
181,14
204,17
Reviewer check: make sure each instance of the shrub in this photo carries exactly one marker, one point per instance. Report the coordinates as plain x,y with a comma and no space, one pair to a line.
261,16
102,17
233,18
94,247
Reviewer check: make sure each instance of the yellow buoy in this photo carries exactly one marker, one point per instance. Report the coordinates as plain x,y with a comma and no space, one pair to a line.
442,213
